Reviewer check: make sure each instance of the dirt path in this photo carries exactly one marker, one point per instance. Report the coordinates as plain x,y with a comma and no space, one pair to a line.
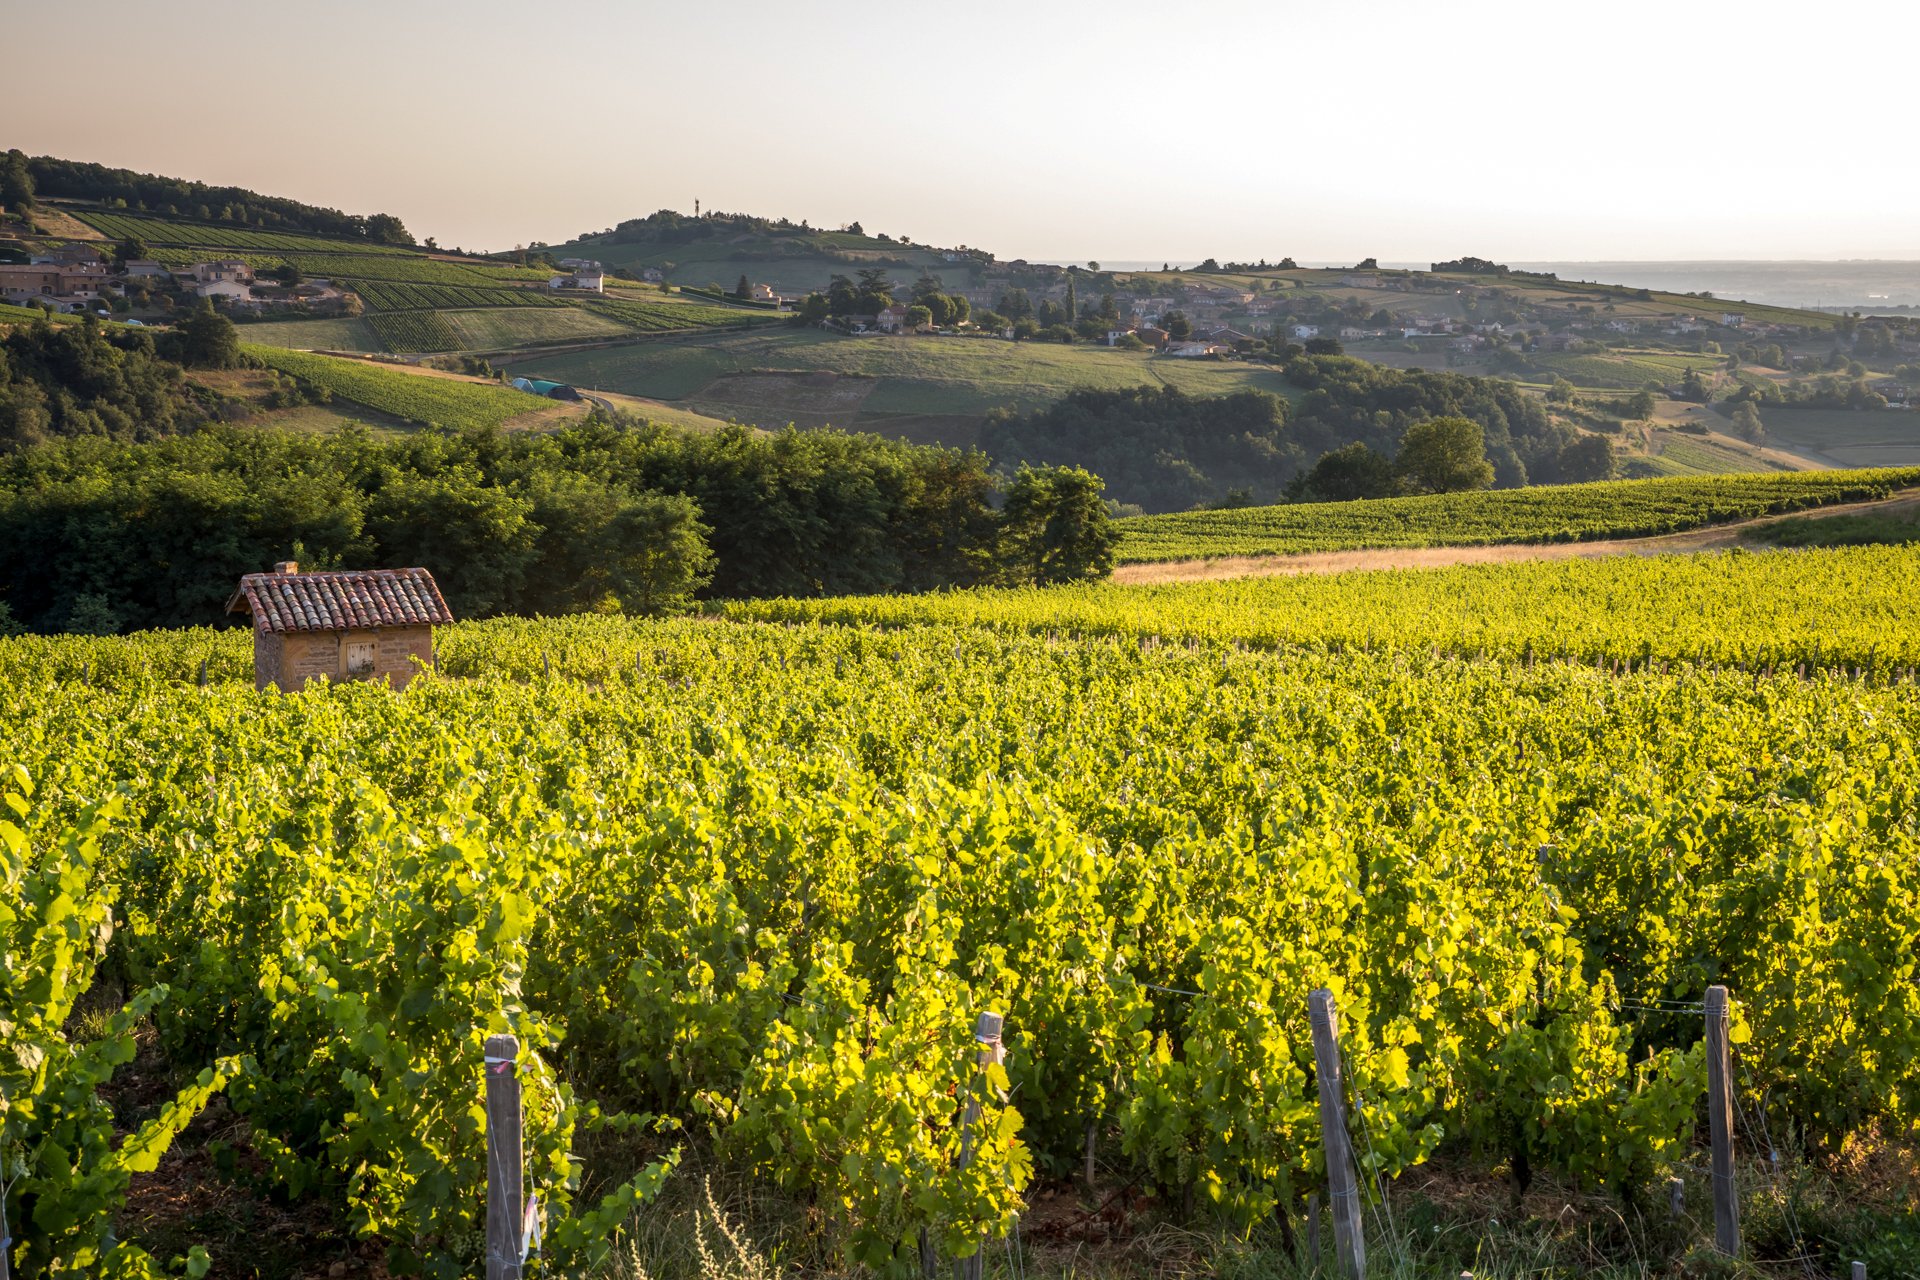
1710,538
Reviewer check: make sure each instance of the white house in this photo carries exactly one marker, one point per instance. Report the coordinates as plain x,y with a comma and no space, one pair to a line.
764,293
586,280
1301,332
1194,350
652,275
222,289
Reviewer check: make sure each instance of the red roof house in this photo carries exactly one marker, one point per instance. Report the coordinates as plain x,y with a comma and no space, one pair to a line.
354,624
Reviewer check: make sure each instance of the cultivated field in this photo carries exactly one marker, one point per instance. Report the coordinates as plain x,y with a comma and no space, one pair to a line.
757,880
413,397
815,378
1556,513
1843,437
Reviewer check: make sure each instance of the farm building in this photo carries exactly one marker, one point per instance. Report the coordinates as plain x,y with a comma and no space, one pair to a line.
357,624
586,279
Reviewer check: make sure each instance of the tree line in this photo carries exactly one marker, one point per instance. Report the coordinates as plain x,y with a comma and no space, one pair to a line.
87,379
178,197
98,534
1161,450
874,291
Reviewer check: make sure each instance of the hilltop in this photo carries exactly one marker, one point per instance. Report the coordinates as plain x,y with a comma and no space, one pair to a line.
712,250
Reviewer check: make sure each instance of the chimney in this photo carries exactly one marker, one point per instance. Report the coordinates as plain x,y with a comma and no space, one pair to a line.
287,567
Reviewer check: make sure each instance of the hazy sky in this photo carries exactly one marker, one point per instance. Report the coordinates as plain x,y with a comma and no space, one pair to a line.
1331,130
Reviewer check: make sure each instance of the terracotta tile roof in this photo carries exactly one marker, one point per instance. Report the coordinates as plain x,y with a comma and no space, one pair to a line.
346,600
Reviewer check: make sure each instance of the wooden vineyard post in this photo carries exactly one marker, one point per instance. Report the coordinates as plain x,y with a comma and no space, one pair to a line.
1676,1197
1858,1271
986,1034
1726,1200
1313,1233
1343,1192
505,1171
6,1237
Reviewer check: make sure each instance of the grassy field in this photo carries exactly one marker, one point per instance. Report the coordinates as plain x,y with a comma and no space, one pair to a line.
1846,437
500,328
814,378
324,335
1558,513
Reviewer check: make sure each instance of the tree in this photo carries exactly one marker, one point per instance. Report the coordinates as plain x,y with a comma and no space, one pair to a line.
1693,387
1347,473
812,310
843,298
92,614
384,228
1444,455
1367,264
1589,457
927,286
918,318
1055,527
1177,325
876,287
1562,392
129,250
1640,405
743,290
16,182
1324,347
208,339
286,274
1092,265
1747,424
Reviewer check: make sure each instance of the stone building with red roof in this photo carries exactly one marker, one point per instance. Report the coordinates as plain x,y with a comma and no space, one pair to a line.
352,624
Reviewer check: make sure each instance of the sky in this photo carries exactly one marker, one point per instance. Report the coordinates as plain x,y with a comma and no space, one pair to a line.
1328,131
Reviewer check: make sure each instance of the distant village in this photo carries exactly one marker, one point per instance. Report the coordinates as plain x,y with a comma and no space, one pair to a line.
79,277
1221,319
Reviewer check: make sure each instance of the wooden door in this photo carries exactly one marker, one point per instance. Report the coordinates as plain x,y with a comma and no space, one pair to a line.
359,657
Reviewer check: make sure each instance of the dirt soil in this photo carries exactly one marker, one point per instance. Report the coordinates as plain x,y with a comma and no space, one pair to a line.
1711,538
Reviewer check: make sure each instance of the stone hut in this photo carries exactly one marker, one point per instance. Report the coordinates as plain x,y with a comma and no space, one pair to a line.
355,624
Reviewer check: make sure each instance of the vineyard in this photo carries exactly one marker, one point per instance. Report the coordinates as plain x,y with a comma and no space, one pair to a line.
156,231
739,888
1625,369
387,295
414,331
1753,611
1557,513
655,317
413,397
